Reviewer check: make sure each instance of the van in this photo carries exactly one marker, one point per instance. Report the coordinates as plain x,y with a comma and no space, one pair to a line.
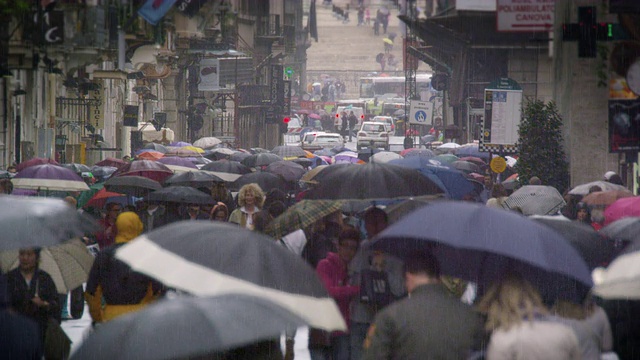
318,140
357,111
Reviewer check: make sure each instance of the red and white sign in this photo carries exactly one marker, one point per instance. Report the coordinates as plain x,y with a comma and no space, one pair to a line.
525,15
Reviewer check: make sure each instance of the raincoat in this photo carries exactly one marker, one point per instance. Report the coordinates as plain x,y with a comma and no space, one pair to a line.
123,290
334,276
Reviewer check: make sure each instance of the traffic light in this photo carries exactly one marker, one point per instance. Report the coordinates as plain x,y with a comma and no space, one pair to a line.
286,120
284,125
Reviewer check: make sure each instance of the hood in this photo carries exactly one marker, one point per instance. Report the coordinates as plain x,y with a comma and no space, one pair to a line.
129,226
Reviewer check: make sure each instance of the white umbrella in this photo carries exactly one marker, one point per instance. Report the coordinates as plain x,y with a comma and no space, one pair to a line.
511,162
207,142
536,200
621,280
604,186
449,145
384,157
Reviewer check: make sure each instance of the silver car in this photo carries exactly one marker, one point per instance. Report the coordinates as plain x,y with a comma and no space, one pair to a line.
373,134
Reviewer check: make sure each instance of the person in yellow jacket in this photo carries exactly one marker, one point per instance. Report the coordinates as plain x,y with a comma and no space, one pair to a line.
123,289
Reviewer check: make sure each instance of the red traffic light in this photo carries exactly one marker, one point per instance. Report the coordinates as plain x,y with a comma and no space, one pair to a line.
337,116
362,116
286,120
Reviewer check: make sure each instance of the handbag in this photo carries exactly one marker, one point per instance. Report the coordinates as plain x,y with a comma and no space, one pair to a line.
57,344
374,288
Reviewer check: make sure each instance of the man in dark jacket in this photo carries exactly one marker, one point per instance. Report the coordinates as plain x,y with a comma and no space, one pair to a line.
353,120
429,324
345,124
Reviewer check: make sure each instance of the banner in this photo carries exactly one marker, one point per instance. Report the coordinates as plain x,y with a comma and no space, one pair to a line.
130,115
209,74
154,10
624,126
96,109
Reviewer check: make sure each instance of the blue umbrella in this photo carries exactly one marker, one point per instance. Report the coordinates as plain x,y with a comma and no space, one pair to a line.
324,152
482,244
453,181
470,150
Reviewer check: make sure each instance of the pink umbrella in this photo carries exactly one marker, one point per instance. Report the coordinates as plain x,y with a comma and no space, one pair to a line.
315,116
146,168
35,161
622,208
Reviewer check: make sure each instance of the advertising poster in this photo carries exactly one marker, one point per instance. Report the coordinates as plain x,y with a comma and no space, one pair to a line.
624,125
503,110
209,75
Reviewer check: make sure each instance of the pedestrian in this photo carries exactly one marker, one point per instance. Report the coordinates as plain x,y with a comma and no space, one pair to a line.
150,215
360,16
429,324
353,120
332,92
219,212
498,197
367,16
192,212
250,200
344,125
334,275
107,235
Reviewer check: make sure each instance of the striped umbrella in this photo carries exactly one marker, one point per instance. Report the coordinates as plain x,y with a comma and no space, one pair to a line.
301,215
287,152
536,200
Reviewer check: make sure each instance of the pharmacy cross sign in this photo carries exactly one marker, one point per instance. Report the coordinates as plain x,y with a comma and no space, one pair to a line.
587,31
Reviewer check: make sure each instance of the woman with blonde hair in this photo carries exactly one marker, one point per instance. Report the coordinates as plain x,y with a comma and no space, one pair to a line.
520,326
250,200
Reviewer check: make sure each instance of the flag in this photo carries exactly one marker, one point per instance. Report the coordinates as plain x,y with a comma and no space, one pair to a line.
312,23
154,10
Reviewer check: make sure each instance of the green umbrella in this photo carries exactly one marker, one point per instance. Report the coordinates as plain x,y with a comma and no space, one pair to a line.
301,215
446,158
85,196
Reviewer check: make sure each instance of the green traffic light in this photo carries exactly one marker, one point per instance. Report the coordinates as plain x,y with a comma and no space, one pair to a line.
610,30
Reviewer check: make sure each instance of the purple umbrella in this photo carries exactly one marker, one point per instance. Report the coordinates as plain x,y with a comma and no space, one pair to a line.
177,161
49,177
180,144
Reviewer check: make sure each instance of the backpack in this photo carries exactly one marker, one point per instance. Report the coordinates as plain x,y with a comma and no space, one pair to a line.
374,288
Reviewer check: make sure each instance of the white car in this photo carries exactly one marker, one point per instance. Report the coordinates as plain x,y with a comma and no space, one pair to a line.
385,119
318,140
373,134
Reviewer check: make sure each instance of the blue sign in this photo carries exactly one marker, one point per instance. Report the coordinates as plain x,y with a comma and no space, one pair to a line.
421,116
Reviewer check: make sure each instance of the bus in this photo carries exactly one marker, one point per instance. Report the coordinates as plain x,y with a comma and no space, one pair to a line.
383,87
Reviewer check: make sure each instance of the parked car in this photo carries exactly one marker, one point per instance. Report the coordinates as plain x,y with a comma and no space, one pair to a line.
385,119
318,140
373,134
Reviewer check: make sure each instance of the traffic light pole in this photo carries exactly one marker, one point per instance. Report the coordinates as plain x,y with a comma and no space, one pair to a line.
410,85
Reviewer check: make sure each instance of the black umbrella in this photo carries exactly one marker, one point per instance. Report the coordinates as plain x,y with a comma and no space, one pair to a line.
27,222
260,159
157,147
77,168
305,162
258,150
371,181
289,171
287,151
218,153
181,194
210,258
265,180
227,166
625,234
138,186
239,156
194,179
213,324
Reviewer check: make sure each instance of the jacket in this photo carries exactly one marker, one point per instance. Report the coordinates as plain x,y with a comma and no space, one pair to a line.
429,324
333,273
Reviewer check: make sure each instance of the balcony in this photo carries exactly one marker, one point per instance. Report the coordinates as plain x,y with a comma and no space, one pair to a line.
268,28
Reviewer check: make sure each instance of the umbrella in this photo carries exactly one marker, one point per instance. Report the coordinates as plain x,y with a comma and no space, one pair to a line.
481,244
448,146
181,194
178,161
227,177
471,149
227,166
306,162
622,208
221,258
49,177
27,222
595,248
103,172
219,153
265,180
35,161
347,157
68,263
77,168
289,151
621,279
315,116
194,179
605,198
258,150
475,176
466,166
384,157
453,181
207,142
511,182
445,158
426,153
138,186
625,230
399,112
371,181
214,324
288,170
180,144
239,156
194,148
604,186
260,159
4,174
146,154
387,41
99,199
146,168
474,160
111,162
182,152
324,152
155,146
301,215
536,200
309,175
400,209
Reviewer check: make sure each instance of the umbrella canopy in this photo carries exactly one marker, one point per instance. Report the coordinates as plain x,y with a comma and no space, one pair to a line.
605,198
178,161
371,181
219,153
466,166
595,248
227,166
265,180
306,162
324,152
239,156
227,259
207,142
536,200
146,168
155,146
604,186
481,244
77,168
138,186
347,157
471,150
99,199
49,177
314,116
28,222
214,324
400,209
289,151
445,158
453,181
182,152
624,230
384,157
180,144
68,264
621,279
260,159
426,153
194,179
194,148
146,154
258,150
103,172
111,162
288,170
448,146
35,161
387,41
622,208
301,215
475,160
309,175
181,194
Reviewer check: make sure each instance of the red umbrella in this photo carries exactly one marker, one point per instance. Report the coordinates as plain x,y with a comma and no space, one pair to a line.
111,162
150,155
35,161
146,168
622,208
101,197
475,160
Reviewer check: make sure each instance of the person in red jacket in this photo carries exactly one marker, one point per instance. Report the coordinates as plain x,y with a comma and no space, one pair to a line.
334,275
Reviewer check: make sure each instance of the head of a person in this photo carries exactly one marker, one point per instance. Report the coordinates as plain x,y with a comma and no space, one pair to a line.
498,191
219,212
261,220
126,158
608,175
29,258
594,188
193,209
276,208
6,186
12,169
616,179
535,181
219,191
488,182
510,301
274,195
583,213
71,201
421,268
113,210
348,243
375,220
251,195
129,226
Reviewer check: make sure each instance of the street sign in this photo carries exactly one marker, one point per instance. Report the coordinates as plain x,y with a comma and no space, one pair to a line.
96,117
288,71
516,15
498,164
421,113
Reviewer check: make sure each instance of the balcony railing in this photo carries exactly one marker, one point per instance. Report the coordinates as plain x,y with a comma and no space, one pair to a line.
269,26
